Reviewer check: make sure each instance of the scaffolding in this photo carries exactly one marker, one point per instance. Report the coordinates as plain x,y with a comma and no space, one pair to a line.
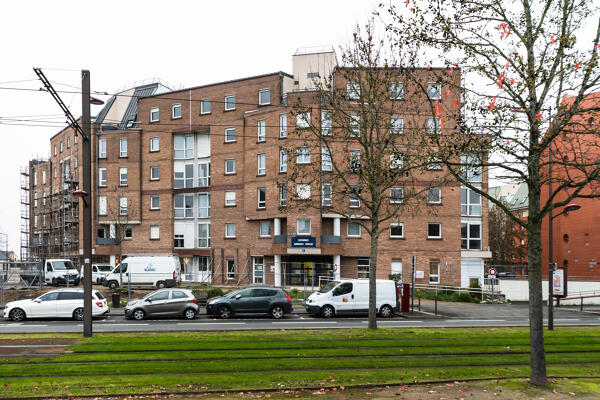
25,213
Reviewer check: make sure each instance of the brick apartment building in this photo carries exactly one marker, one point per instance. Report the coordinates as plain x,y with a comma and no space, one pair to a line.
198,173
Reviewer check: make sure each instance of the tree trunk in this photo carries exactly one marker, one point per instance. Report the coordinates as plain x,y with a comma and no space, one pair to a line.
373,279
120,267
536,321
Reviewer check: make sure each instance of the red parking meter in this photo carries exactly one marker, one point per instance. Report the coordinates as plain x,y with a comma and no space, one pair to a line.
405,302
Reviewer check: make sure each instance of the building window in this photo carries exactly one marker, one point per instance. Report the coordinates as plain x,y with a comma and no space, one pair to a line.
230,134
44,177
35,199
154,232
262,130
154,144
183,146
282,125
230,269
397,195
230,166
434,125
176,111
282,196
397,125
205,106
282,160
229,198
353,90
354,125
326,194
326,123
434,195
101,176
183,176
396,161
470,202
122,205
312,75
68,142
434,230
397,230
102,205
204,235
203,205
61,147
183,205
76,162
154,202
326,164
264,97
303,155
363,266
434,272
261,164
55,152
354,160
396,90
353,229
434,163
154,173
230,230
204,174
123,176
230,102
303,191
434,90
471,168
102,148
303,119
265,229
154,114
179,241
470,235
262,197
128,233
258,270
303,226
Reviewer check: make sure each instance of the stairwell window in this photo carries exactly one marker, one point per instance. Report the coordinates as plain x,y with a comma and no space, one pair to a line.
203,205
230,166
229,102
262,130
262,198
204,174
154,144
354,125
326,194
101,177
397,125
397,195
326,164
303,191
326,123
205,106
102,148
154,114
154,173
204,235
261,164
282,160
303,226
282,125
123,176
154,202
176,111
122,205
102,205
123,147
230,134
264,97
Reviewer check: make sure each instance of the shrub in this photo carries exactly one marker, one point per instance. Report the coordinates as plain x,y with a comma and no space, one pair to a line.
214,292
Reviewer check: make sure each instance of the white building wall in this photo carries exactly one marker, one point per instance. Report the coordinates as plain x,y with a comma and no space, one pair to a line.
518,290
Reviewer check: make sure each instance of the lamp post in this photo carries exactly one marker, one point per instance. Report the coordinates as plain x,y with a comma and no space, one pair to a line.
551,264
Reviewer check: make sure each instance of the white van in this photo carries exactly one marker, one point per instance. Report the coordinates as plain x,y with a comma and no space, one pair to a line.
99,271
158,271
60,271
352,296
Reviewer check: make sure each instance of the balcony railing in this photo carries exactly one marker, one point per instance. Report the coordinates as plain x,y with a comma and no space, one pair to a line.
331,239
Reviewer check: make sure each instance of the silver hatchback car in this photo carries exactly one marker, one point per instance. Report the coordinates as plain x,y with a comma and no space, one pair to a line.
162,303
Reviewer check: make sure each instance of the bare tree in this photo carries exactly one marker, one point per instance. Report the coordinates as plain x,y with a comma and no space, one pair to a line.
364,127
505,238
520,61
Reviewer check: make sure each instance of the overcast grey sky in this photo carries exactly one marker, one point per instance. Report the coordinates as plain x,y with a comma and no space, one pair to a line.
184,43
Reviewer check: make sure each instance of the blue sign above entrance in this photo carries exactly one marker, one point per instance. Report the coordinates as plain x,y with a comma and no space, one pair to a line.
304,241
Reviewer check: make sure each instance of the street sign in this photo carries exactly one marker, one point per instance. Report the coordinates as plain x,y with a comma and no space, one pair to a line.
492,271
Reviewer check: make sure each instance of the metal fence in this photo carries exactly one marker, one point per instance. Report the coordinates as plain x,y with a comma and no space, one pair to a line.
439,292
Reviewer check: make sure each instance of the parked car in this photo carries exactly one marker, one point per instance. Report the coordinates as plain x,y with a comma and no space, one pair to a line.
61,303
351,296
162,303
159,271
252,300
99,272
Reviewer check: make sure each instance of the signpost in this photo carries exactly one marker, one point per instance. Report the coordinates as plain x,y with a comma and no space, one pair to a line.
492,273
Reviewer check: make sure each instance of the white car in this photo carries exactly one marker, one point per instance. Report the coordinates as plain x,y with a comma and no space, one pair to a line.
61,303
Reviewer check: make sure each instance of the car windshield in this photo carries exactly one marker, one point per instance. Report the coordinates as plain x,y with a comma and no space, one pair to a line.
149,295
329,286
233,294
104,268
62,265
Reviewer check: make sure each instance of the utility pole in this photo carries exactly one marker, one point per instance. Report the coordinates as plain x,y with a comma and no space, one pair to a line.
87,206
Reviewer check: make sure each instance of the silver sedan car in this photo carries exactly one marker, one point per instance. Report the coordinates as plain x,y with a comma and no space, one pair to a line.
172,302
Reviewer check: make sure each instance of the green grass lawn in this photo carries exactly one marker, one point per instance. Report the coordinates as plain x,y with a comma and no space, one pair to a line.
256,360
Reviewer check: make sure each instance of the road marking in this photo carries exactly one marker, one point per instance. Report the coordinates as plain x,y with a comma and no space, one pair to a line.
111,324
396,322
476,320
304,322
567,319
22,326
211,323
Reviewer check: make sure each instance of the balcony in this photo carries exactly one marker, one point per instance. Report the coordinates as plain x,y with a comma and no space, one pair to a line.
108,241
331,239
280,239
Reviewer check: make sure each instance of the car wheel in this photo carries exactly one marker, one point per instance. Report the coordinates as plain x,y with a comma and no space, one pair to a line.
76,283
277,312
78,314
386,311
224,312
327,312
112,285
161,285
98,281
190,313
16,314
138,314
54,282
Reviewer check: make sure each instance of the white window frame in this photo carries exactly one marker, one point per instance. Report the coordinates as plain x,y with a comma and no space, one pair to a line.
258,269
102,148
434,163
123,176
326,163
429,192
304,232
353,90
260,100
261,233
173,108
469,173
44,178
68,142
326,195
154,110
326,123
396,161
261,204
353,224
204,242
397,125
395,199
154,232
434,237
228,130
154,144
230,230
434,125
282,160
303,191
363,267
230,200
228,103
396,225
153,169
303,120
203,108
282,196
434,90
188,152
434,278
181,179
178,241
203,210
282,125
468,238
101,173
229,162
102,205
123,205
230,268
354,198
354,126
61,146
302,155
466,207
152,199
261,130
397,90
204,180
186,210
354,158
261,164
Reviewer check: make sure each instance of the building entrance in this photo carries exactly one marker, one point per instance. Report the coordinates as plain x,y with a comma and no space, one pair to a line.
299,270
